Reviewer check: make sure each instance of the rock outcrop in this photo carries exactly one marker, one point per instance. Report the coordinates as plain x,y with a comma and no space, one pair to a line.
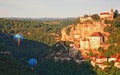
83,31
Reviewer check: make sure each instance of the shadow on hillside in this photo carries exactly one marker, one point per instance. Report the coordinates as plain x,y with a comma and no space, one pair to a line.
67,61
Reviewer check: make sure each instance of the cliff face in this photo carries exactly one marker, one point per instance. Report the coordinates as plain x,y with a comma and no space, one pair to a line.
81,31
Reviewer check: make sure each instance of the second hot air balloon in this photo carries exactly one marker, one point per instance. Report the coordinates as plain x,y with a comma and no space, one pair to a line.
32,62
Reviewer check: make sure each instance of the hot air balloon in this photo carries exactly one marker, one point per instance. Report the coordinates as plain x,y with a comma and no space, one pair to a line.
32,62
18,38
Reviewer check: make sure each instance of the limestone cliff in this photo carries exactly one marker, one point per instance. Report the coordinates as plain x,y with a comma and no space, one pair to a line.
82,31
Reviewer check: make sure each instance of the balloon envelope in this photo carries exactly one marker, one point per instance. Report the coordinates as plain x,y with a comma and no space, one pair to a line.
18,37
32,62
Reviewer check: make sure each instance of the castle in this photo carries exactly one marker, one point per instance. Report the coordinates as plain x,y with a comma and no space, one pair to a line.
107,15
102,15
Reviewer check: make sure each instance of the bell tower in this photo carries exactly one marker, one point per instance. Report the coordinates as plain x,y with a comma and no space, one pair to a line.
111,14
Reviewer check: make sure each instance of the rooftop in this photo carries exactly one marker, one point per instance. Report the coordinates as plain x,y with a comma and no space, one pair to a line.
96,34
103,13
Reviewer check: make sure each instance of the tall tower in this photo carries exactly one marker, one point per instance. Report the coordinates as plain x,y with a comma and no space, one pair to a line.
111,14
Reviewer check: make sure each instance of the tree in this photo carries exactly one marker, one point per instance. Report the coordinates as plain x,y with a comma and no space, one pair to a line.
111,63
68,30
114,36
95,17
108,29
110,51
0,28
90,54
85,16
108,21
108,54
116,13
78,20
100,49
116,22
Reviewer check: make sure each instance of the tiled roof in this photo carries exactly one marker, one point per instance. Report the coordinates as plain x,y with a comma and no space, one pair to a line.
118,60
101,57
96,34
104,13
113,56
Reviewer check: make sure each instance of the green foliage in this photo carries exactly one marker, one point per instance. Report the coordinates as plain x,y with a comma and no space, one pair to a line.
64,68
108,29
114,40
114,36
68,30
78,20
40,31
67,43
95,17
116,13
37,34
90,54
111,64
108,71
100,49
117,49
108,21
10,66
116,22
114,31
111,51
85,15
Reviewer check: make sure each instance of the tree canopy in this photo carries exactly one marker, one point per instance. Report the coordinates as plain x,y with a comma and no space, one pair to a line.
95,17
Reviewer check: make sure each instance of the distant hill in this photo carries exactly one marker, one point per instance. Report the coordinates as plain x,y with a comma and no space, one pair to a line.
41,19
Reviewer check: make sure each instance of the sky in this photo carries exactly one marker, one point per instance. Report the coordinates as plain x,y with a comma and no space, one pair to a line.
55,8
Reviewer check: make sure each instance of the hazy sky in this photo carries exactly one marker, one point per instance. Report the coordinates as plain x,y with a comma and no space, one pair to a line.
55,8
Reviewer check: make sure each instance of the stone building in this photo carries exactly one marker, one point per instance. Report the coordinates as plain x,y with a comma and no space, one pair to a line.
107,15
84,44
96,39
82,19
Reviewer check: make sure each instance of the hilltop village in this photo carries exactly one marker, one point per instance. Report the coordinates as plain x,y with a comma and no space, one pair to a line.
88,35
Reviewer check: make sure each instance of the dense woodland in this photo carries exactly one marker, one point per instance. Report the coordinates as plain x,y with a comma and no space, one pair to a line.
39,39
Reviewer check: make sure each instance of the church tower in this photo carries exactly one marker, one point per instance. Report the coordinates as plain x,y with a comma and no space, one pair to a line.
111,14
